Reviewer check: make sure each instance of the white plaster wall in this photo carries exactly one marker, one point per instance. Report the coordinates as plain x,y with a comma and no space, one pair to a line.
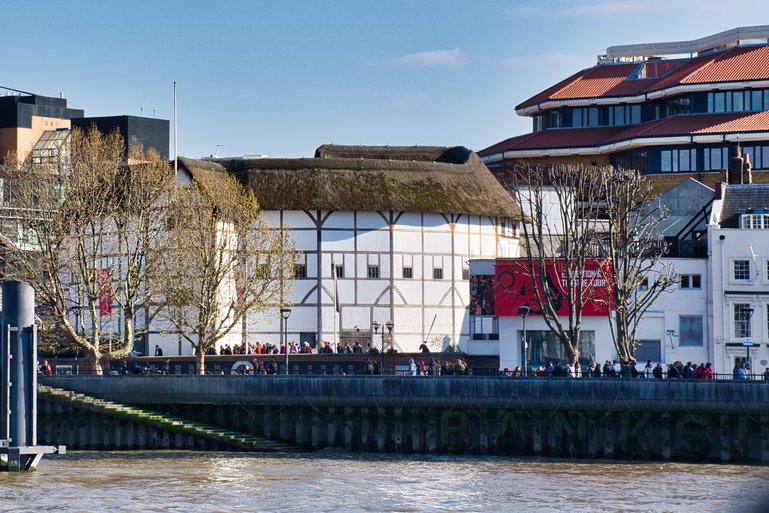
359,239
737,243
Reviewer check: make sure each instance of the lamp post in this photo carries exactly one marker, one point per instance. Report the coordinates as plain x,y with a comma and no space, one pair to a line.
284,313
523,312
389,325
376,324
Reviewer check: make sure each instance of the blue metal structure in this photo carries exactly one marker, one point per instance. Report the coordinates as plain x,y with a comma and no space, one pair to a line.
18,381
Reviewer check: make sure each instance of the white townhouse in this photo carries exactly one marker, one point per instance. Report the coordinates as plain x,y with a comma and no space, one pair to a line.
738,299
383,234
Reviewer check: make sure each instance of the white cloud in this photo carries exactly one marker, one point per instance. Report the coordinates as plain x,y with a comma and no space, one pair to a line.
432,59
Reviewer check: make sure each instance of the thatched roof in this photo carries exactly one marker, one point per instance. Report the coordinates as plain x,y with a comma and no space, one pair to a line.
373,178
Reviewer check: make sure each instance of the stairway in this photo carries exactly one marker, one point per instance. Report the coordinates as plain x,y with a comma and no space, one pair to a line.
223,437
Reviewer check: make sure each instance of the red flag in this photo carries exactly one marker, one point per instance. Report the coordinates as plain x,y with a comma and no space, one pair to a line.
105,292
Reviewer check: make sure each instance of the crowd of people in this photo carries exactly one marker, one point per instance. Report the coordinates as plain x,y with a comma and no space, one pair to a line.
261,348
614,369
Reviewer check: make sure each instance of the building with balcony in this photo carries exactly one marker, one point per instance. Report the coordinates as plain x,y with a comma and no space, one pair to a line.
673,110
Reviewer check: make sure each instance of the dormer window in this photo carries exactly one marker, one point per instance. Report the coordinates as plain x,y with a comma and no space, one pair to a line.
754,221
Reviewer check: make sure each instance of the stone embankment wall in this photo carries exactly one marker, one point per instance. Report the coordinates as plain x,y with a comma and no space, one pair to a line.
585,418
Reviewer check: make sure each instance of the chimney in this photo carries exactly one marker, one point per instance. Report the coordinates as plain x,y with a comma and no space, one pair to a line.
720,189
747,173
735,167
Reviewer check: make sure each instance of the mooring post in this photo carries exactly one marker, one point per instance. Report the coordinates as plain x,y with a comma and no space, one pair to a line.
18,390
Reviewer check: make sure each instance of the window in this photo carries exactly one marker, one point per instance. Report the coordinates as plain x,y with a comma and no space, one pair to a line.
741,270
545,346
715,159
506,228
759,156
754,221
485,328
691,281
738,101
373,271
690,330
584,116
437,273
644,283
649,350
678,160
742,314
408,273
300,271
766,270
465,274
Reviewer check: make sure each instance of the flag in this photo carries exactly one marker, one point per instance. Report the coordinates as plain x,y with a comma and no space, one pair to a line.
105,291
336,287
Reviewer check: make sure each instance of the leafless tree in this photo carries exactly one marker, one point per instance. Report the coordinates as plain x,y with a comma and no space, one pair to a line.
90,221
631,240
560,233
223,261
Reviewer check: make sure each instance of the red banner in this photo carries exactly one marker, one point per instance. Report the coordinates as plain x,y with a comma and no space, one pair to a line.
515,287
105,291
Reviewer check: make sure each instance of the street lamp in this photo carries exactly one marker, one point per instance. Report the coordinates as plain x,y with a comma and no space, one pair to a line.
389,326
376,324
523,311
285,312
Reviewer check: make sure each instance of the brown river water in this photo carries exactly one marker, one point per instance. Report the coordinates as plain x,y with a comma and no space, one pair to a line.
331,481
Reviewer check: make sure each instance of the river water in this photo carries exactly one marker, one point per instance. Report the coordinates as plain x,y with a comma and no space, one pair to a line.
331,481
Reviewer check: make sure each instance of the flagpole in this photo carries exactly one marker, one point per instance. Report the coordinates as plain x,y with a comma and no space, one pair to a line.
176,154
336,305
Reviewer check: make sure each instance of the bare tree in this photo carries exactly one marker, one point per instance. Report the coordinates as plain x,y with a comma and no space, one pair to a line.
559,234
223,262
634,247
139,239
90,220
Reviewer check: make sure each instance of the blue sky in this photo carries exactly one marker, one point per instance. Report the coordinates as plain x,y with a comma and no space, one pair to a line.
283,77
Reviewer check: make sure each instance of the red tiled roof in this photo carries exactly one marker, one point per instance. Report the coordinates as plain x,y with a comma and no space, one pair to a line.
608,80
554,138
748,63
735,122
612,80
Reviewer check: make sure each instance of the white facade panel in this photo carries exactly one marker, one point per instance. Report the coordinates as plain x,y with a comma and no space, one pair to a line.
339,220
433,221
437,242
294,219
373,292
373,240
410,290
407,241
370,221
338,240
305,239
